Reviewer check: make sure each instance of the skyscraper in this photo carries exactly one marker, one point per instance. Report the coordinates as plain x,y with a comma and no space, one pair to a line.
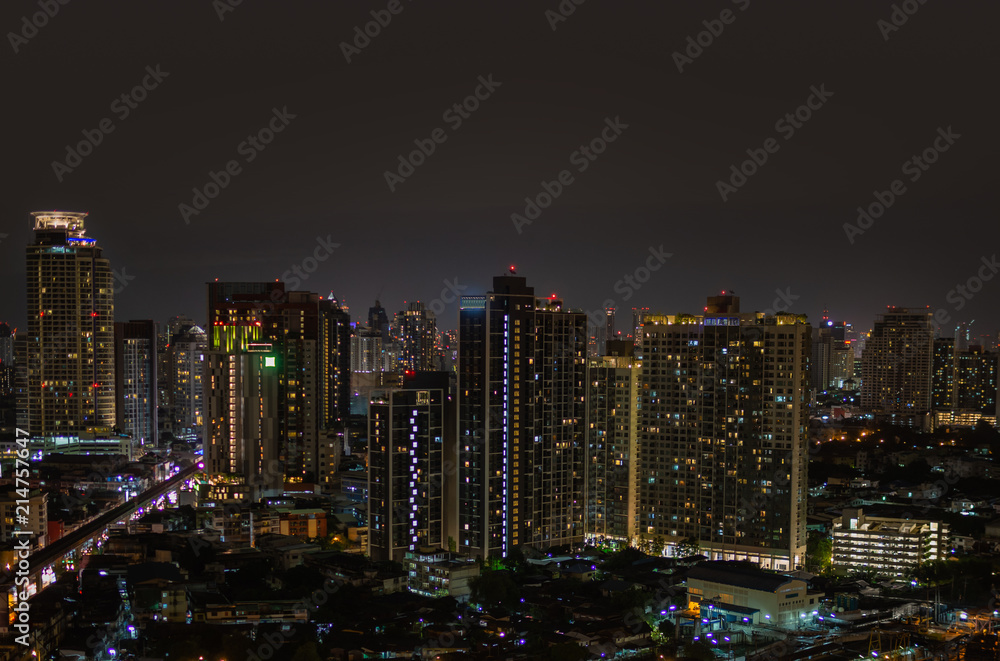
416,335
186,383
71,371
833,357
943,378
897,365
612,428
378,320
307,337
976,380
521,388
408,433
243,432
136,392
722,432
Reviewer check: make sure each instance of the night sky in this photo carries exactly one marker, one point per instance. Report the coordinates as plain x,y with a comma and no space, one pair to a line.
885,93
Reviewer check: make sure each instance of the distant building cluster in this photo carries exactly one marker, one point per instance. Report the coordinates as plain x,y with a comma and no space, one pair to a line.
532,428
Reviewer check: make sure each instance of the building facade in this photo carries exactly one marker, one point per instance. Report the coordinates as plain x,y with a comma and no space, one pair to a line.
70,366
242,437
521,393
612,433
750,596
416,334
136,391
889,546
407,438
307,337
185,361
897,365
438,573
722,432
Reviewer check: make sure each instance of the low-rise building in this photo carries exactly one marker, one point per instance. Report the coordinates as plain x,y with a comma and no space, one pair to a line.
889,546
738,593
438,573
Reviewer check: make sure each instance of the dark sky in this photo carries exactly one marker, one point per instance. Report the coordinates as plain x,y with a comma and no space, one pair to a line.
656,184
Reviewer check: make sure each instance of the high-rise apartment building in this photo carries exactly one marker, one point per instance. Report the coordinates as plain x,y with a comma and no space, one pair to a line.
612,434
136,392
243,431
832,357
308,338
70,366
976,380
943,374
722,432
521,391
416,335
897,365
410,435
185,362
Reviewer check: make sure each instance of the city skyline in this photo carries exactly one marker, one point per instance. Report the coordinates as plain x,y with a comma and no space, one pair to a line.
784,301
556,330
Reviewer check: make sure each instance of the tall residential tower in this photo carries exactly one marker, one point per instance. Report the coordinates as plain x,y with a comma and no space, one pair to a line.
722,433
521,390
71,343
